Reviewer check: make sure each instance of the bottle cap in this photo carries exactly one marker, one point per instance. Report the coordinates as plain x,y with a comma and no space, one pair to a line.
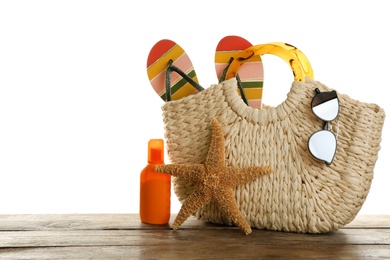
156,151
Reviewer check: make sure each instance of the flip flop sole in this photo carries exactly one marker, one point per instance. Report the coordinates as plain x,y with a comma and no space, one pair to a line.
251,72
157,63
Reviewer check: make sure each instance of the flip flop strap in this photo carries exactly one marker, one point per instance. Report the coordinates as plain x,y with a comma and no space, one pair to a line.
239,84
168,74
172,67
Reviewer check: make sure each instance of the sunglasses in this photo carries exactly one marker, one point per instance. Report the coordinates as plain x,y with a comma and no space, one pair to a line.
322,144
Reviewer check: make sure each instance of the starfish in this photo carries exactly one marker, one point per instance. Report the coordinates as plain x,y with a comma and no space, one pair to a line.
213,180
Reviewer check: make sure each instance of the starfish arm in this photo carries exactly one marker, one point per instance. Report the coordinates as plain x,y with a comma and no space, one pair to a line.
191,172
228,206
240,176
216,154
190,205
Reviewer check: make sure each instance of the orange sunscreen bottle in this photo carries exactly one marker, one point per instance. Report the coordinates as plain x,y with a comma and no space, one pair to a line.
155,189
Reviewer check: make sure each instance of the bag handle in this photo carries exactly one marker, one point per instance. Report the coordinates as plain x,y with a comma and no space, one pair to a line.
298,62
306,66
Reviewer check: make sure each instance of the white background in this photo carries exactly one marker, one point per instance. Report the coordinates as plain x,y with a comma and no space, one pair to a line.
77,108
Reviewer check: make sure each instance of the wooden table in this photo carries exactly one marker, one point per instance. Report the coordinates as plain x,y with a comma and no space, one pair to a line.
123,236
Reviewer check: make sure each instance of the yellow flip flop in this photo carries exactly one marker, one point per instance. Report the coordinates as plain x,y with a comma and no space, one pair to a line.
250,74
166,57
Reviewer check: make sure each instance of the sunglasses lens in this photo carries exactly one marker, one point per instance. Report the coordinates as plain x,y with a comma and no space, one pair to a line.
325,105
322,145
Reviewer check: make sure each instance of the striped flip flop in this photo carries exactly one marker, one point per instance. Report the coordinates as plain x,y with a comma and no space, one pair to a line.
165,58
250,73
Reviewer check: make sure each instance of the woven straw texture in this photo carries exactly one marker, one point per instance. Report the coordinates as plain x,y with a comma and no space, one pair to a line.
301,194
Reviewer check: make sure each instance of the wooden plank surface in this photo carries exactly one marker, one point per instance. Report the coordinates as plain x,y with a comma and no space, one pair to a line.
131,221
123,236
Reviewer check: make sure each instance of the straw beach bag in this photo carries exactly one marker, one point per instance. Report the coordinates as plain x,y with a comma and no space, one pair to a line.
322,167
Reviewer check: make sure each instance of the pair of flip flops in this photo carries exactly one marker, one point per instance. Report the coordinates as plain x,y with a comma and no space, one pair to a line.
167,56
